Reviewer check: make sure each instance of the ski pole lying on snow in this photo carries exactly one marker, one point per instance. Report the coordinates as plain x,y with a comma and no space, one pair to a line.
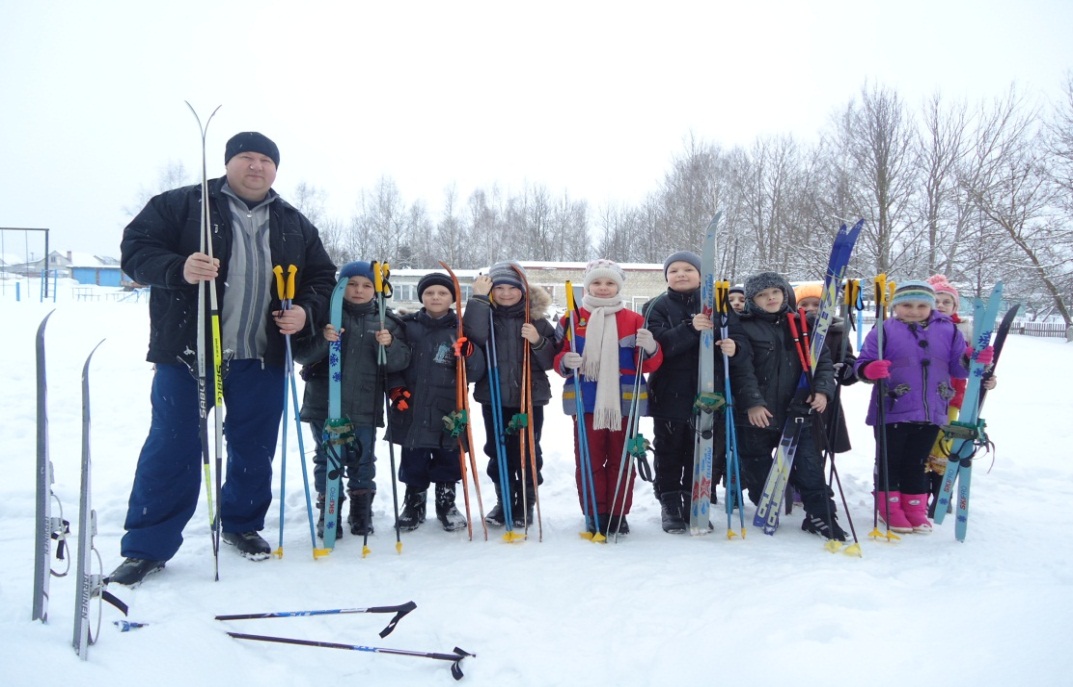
399,611
455,658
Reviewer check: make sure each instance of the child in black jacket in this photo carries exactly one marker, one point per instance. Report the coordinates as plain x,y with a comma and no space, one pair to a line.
422,396
767,396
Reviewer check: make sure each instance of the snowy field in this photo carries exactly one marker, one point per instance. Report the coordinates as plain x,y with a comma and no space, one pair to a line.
654,609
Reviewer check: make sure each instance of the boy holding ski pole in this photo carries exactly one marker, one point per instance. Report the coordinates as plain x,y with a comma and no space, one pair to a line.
362,389
495,317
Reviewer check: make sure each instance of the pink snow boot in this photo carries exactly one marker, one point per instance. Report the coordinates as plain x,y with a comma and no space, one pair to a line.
898,522
916,512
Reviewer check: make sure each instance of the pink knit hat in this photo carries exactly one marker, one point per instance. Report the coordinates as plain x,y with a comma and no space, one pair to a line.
942,285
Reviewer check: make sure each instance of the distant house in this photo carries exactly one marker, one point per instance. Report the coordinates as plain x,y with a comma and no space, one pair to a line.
85,268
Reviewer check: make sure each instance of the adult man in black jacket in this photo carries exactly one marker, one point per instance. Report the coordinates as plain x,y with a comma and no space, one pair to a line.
252,229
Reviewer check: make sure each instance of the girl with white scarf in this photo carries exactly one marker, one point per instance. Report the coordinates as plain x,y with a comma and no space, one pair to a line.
609,337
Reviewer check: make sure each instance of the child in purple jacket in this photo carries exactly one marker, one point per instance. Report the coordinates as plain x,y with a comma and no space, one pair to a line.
922,352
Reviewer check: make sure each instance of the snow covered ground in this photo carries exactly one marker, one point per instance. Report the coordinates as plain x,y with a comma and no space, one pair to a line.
653,609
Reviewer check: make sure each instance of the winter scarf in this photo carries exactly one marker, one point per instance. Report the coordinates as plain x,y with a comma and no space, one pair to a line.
599,361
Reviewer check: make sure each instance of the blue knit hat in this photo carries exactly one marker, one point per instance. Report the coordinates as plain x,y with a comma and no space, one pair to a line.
914,291
504,274
358,268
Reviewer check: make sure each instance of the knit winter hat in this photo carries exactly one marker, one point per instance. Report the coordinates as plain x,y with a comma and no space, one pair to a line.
251,141
503,274
359,268
809,290
604,269
914,291
737,288
942,285
435,279
768,280
681,256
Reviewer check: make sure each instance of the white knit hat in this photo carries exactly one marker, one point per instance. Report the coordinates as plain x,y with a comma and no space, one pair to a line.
604,269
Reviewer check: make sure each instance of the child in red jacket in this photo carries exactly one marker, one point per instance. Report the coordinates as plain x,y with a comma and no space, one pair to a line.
605,353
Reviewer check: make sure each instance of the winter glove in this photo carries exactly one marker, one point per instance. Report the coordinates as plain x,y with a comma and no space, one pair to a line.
646,341
463,348
877,369
571,360
844,374
985,357
400,398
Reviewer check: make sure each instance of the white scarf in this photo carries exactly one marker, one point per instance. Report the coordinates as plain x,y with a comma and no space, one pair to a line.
599,361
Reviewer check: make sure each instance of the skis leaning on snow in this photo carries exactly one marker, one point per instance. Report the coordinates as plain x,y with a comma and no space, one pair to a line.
968,430
48,527
90,584
707,400
767,512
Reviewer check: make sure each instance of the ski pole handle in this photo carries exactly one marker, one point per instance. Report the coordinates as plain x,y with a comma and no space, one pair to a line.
292,273
280,288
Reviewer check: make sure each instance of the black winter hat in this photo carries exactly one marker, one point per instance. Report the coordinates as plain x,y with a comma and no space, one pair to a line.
768,280
251,141
435,279
682,256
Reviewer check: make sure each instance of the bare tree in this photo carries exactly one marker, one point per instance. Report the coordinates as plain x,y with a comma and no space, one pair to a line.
1013,189
879,143
172,175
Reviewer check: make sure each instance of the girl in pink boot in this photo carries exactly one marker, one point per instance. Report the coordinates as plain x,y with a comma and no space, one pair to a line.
923,352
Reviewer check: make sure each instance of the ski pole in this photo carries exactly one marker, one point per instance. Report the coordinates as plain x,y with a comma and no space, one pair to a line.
496,393
399,610
381,272
733,471
527,434
881,290
588,486
455,658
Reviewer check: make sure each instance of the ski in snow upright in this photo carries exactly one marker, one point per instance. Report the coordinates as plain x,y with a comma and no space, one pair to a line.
47,527
90,584
969,428
708,401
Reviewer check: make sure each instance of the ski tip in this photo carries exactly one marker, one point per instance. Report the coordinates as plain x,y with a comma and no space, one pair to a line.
585,535
512,537
278,553
365,551
731,535
398,547
321,553
854,549
599,539
832,546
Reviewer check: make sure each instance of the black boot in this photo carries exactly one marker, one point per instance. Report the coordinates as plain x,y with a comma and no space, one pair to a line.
522,510
496,517
617,524
320,519
413,509
671,511
361,513
445,507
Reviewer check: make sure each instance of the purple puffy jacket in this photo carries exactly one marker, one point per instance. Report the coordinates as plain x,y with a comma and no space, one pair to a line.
924,357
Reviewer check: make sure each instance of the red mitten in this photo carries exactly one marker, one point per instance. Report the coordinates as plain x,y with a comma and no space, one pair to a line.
877,369
986,356
400,398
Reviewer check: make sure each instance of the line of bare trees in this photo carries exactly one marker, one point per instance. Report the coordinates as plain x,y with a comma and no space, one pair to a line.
977,192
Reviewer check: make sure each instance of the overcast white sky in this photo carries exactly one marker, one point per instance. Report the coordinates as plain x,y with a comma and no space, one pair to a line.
594,98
